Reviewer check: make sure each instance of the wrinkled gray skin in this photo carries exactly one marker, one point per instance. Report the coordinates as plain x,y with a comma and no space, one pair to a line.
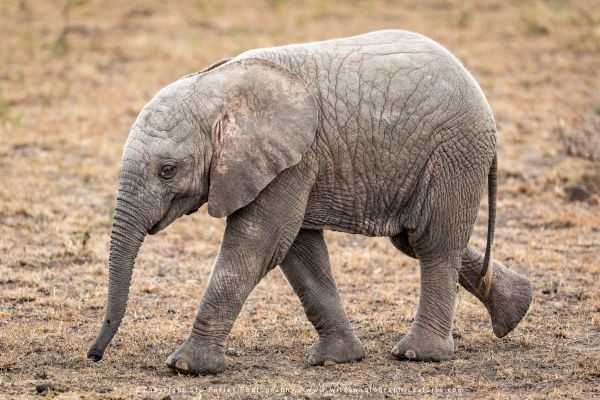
383,134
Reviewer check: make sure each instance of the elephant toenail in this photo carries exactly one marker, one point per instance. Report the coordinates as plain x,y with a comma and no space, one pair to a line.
396,351
410,354
182,364
312,360
328,363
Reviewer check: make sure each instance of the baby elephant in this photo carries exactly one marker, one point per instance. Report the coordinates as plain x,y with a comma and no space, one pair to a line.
382,134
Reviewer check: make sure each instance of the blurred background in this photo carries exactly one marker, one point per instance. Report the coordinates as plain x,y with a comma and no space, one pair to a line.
75,73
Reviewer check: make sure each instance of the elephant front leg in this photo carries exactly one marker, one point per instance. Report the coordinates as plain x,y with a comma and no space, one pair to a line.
234,276
308,270
245,257
257,238
430,335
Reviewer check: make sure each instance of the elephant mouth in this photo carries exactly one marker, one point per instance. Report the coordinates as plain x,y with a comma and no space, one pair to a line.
170,216
157,227
154,229
193,209
175,211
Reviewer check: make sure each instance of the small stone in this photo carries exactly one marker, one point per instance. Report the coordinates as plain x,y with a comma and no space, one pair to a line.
233,352
577,193
103,390
43,387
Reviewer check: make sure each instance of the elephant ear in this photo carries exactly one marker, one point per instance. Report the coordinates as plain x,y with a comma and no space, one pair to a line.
268,123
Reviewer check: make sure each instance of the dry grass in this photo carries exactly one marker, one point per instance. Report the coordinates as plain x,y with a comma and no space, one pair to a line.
73,75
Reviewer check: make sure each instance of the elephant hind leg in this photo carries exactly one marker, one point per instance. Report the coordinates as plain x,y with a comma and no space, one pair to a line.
430,334
442,211
509,297
306,266
510,294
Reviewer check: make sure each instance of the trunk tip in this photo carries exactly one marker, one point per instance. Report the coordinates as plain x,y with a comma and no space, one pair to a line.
95,354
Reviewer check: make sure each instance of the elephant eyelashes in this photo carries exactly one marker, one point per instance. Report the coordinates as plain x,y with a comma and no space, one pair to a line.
167,171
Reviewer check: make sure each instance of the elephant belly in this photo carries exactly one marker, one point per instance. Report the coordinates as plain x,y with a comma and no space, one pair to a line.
316,218
352,204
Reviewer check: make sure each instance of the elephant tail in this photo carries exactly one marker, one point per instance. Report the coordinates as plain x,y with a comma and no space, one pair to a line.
488,263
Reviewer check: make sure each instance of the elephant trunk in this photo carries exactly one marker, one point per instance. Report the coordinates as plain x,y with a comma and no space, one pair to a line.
126,238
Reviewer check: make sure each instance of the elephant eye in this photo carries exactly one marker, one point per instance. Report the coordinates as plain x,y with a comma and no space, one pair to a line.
167,171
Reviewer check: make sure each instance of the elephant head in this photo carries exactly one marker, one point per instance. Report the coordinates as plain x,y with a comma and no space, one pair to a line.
220,136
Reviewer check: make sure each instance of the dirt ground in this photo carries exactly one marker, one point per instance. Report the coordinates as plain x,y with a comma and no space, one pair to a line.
73,76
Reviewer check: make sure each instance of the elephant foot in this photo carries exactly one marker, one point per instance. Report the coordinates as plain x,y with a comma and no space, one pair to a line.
415,347
508,301
336,349
197,358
